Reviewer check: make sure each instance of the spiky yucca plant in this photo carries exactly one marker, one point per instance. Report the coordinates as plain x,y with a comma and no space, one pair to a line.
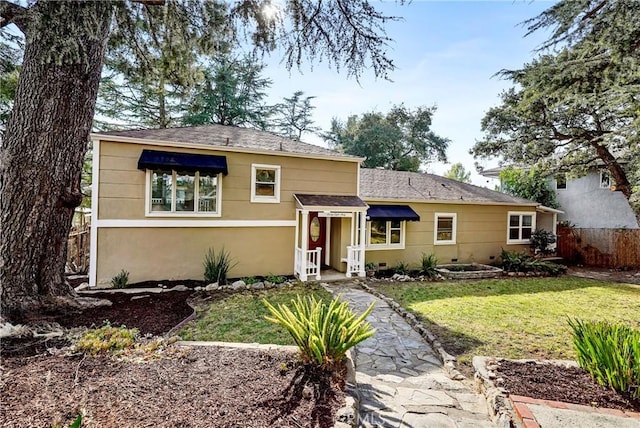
323,332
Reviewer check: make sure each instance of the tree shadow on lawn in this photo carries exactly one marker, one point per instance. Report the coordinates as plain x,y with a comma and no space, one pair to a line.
429,291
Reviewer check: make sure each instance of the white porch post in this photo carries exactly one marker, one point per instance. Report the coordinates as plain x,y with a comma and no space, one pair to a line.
555,230
327,243
304,244
363,236
295,243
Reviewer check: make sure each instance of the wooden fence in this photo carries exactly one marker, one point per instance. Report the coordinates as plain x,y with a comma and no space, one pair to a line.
78,249
610,248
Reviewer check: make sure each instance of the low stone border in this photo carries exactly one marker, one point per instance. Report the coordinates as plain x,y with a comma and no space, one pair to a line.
346,417
487,271
448,360
498,403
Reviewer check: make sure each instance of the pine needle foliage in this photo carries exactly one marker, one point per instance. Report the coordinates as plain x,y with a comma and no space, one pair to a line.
323,332
610,353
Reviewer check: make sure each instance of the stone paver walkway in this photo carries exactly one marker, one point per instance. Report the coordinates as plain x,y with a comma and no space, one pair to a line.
401,381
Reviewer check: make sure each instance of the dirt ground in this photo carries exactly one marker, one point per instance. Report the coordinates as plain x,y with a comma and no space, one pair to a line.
566,384
193,387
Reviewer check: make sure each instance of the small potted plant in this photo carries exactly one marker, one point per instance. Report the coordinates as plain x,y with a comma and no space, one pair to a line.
370,268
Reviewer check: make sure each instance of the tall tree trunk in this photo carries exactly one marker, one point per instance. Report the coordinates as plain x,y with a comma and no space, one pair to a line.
614,167
45,142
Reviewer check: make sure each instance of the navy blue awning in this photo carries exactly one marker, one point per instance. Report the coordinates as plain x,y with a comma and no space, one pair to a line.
392,212
183,162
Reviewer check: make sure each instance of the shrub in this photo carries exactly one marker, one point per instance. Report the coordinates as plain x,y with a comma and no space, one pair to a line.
107,339
541,240
217,266
370,266
512,261
610,353
276,279
401,268
250,280
429,263
324,333
120,280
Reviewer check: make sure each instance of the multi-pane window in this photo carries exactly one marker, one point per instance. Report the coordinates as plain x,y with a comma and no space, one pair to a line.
520,227
175,192
386,234
265,183
445,228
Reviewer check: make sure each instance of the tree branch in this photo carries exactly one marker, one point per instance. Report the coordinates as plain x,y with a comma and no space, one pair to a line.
12,13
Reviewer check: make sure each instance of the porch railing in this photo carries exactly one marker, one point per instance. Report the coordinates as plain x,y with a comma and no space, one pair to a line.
308,264
355,260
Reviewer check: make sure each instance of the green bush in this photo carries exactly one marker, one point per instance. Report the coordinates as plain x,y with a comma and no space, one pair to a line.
107,339
429,263
275,279
121,280
217,266
251,280
402,268
541,240
324,333
513,261
610,353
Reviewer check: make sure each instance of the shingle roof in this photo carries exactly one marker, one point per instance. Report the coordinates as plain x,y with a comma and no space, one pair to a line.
227,136
401,185
330,200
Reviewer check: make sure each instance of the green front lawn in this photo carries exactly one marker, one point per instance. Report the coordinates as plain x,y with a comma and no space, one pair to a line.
515,318
240,317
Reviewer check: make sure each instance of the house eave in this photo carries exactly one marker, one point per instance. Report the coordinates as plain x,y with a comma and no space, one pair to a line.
448,201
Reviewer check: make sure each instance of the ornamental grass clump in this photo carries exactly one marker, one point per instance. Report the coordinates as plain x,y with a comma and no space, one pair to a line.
323,332
610,353
429,263
217,266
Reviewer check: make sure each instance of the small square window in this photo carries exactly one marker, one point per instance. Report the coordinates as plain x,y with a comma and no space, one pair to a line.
265,183
445,228
561,181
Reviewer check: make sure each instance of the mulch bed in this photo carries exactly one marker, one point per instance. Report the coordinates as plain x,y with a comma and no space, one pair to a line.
188,387
558,383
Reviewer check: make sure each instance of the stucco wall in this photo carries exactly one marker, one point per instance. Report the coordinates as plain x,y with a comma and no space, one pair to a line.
178,253
586,205
481,234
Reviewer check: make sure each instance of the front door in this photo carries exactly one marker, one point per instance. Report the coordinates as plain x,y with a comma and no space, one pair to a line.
317,232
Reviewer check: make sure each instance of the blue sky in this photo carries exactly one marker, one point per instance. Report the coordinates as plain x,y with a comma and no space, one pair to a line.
446,54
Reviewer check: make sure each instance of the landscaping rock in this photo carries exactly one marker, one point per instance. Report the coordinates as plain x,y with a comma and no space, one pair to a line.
180,287
82,286
139,297
268,284
198,288
212,287
258,285
239,285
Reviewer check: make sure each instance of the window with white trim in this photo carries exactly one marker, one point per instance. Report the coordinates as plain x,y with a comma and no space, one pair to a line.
385,234
444,229
265,183
520,226
605,179
183,193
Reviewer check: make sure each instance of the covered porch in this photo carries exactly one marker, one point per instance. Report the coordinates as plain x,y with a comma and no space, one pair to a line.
330,234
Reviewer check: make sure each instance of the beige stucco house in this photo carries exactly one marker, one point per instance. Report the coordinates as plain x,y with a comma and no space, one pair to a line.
162,197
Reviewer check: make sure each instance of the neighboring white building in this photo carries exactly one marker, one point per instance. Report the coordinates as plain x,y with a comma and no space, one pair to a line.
589,201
